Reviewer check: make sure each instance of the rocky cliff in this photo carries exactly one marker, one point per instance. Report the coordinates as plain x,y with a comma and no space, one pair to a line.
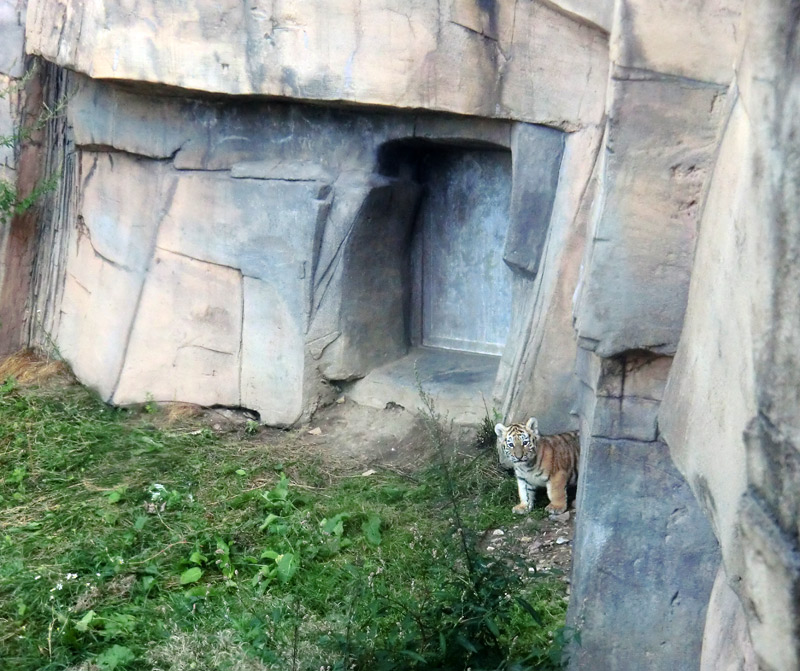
260,202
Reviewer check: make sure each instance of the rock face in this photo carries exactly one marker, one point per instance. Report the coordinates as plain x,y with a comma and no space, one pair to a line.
727,644
12,38
281,255
541,343
12,31
520,60
731,409
645,556
648,561
566,193
658,149
20,106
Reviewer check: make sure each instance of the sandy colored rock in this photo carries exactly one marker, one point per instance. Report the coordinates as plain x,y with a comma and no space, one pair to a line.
731,409
658,151
7,120
696,39
505,59
108,256
12,34
97,309
726,642
546,340
273,359
711,395
185,344
598,12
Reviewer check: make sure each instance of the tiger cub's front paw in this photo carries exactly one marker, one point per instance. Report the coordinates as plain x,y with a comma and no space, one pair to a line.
520,509
555,510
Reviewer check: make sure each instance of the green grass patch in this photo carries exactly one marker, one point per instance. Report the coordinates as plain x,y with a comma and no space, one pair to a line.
128,546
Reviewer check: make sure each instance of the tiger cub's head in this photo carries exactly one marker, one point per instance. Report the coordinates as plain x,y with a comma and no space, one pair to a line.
519,440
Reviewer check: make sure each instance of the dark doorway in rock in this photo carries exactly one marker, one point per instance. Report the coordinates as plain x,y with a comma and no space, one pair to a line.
461,291
461,287
458,291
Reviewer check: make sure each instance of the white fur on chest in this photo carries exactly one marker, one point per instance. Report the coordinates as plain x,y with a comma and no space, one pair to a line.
533,477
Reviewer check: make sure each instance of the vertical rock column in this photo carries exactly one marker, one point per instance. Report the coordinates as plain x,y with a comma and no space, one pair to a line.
732,409
645,556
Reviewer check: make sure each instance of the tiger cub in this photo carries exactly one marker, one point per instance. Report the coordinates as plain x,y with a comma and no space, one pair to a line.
540,461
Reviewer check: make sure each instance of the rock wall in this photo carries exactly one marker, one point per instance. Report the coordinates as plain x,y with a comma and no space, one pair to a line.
21,167
11,57
731,408
216,239
529,61
251,272
541,345
645,557
275,255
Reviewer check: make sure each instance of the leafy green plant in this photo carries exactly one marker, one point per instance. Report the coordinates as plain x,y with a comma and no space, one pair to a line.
464,621
485,435
11,202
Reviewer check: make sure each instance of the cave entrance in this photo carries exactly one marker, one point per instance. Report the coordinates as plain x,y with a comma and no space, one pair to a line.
458,287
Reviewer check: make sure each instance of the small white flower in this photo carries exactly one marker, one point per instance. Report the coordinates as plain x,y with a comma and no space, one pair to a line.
37,577
71,576
97,574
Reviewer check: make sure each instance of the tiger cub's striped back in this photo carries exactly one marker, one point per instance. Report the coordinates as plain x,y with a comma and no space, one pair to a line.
540,461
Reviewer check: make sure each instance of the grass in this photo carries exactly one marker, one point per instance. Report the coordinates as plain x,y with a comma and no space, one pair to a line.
133,540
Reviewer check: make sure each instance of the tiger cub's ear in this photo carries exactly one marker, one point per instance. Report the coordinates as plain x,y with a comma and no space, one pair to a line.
499,429
532,425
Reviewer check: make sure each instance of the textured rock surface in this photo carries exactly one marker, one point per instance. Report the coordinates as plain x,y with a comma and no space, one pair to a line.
12,30
645,557
731,411
188,323
695,39
670,69
12,37
20,106
456,383
599,12
666,102
660,141
275,253
716,360
7,117
726,640
542,340
520,60
534,185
